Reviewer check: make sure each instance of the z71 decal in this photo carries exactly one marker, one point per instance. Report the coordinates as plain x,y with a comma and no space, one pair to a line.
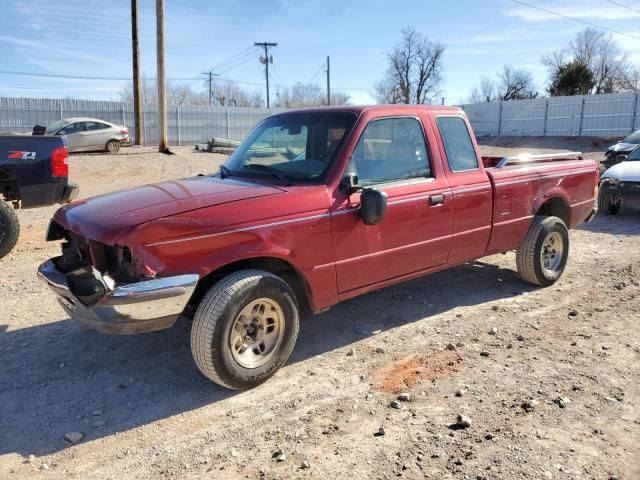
19,154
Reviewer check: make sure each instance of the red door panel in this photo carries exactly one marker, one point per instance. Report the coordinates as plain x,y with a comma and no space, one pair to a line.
412,236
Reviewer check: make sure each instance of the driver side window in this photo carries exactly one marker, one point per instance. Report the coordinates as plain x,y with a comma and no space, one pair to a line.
391,149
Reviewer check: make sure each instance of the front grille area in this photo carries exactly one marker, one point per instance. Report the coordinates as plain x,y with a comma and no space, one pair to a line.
630,187
629,192
79,252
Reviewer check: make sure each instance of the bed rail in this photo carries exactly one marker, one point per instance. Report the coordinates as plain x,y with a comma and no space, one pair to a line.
526,158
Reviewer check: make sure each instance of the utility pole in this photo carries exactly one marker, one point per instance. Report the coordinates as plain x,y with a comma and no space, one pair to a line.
266,60
137,97
211,75
162,86
328,82
210,89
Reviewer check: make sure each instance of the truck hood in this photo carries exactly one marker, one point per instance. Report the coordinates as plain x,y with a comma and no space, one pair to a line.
627,171
105,217
622,147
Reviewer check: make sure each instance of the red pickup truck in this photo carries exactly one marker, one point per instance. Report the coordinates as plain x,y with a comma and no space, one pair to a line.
314,207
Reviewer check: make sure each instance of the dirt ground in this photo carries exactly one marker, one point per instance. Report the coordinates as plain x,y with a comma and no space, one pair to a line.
548,378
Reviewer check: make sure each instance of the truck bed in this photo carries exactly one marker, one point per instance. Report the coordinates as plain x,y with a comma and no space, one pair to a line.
570,183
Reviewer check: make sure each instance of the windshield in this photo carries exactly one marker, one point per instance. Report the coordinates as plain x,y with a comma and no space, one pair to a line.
54,127
633,138
635,155
293,148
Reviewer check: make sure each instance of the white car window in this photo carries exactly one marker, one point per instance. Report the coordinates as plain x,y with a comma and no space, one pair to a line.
96,126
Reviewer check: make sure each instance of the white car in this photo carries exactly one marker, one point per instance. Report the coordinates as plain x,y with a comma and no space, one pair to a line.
620,185
90,134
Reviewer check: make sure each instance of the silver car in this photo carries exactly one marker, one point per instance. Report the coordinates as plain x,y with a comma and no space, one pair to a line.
90,134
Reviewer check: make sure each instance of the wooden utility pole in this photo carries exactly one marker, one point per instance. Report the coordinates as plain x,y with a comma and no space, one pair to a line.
162,85
266,60
211,75
328,82
137,97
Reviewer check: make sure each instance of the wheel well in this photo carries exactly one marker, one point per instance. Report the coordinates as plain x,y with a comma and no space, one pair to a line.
276,266
556,207
9,189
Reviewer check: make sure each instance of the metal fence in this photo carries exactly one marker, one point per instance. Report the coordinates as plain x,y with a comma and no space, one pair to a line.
611,115
187,125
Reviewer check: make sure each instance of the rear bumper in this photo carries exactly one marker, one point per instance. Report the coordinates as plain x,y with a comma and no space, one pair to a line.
71,192
140,307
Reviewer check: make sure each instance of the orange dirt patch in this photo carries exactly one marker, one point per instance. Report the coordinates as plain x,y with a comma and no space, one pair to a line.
406,373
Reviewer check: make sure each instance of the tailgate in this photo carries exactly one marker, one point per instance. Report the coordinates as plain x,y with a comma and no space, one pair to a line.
27,162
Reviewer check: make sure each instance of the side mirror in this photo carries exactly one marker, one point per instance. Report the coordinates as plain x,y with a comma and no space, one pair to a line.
373,205
622,158
349,183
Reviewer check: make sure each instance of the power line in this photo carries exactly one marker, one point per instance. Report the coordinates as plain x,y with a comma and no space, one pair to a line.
231,67
624,6
177,79
81,77
241,58
575,19
322,67
233,57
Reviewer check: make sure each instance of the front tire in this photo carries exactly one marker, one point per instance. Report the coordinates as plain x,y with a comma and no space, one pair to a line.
9,228
113,146
244,329
604,203
542,257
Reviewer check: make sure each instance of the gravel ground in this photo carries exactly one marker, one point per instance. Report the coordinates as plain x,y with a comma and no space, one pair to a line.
545,381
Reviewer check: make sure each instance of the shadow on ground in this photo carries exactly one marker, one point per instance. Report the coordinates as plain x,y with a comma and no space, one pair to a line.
626,222
56,376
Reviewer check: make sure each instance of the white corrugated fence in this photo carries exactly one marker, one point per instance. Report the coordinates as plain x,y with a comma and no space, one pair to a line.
611,115
188,124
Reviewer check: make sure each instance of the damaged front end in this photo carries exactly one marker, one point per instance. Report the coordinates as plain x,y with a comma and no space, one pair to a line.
104,288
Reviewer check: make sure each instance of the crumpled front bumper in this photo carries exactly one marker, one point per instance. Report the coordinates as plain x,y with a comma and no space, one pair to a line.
140,307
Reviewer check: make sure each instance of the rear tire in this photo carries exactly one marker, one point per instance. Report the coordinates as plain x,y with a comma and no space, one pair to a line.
605,205
9,228
113,146
244,329
542,257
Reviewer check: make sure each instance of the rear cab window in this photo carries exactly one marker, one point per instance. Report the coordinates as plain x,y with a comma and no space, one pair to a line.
461,155
390,150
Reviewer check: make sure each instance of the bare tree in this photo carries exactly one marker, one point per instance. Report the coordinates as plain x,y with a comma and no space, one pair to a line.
612,71
224,93
227,93
307,95
177,94
338,98
516,84
631,80
485,92
414,72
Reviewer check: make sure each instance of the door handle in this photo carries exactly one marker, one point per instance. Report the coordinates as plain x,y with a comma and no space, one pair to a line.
436,200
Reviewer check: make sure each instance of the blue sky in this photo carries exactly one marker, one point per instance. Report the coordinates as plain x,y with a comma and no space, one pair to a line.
92,38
